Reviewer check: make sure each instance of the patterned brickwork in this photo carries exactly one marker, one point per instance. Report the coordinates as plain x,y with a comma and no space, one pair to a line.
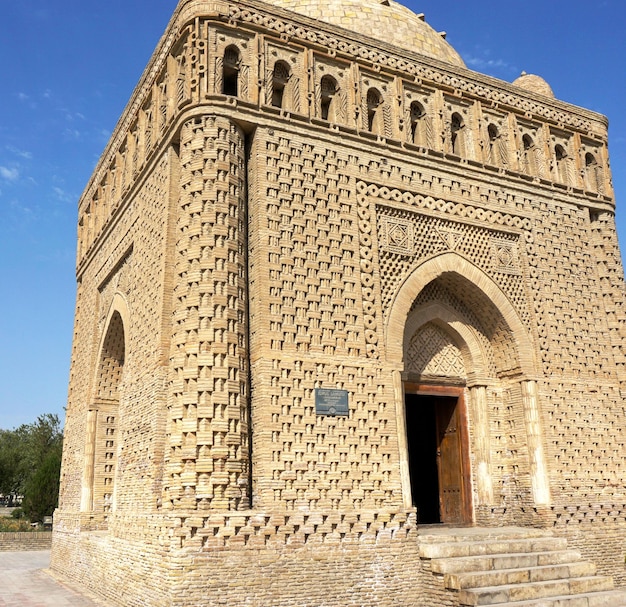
406,240
430,352
207,462
309,250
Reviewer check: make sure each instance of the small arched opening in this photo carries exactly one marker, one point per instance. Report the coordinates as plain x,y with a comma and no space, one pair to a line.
328,98
493,152
280,78
457,134
418,120
560,157
231,67
374,102
529,155
592,173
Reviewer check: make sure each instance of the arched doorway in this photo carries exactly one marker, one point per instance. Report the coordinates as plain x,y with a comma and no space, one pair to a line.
462,342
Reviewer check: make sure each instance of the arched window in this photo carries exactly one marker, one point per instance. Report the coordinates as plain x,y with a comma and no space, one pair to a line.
592,173
279,82
493,152
374,101
418,119
230,79
457,135
529,155
328,86
560,155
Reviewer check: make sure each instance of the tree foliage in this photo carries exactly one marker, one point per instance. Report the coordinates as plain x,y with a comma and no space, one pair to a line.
30,462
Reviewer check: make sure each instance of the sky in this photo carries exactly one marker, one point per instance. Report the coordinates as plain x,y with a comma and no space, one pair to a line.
68,68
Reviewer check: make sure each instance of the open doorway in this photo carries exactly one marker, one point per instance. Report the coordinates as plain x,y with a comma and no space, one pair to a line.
438,462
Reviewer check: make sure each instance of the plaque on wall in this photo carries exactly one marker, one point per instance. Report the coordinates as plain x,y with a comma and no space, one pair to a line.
331,402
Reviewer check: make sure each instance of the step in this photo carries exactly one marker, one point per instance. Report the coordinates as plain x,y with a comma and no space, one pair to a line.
611,598
490,547
457,534
493,595
503,561
504,577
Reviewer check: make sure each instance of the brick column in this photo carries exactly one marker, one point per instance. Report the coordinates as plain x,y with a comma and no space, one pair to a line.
208,461
538,468
480,415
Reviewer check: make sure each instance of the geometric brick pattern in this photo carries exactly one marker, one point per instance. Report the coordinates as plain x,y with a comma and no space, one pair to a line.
431,352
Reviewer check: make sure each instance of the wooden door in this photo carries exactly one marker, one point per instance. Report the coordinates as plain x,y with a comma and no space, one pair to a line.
450,461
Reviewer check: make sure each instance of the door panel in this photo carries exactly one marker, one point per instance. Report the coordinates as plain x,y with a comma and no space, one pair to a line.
449,461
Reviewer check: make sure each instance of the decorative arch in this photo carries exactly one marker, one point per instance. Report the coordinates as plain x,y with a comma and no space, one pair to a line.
454,264
101,446
328,98
450,322
231,68
418,118
457,134
280,80
403,321
374,101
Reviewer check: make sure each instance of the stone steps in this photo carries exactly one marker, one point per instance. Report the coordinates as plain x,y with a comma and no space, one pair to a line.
513,567
612,598
504,561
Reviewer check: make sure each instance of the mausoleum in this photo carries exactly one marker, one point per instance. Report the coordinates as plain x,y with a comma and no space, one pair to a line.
350,327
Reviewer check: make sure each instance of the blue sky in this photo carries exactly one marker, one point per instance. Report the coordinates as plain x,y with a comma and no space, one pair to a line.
68,68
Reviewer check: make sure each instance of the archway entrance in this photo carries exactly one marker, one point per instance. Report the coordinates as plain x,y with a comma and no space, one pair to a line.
438,454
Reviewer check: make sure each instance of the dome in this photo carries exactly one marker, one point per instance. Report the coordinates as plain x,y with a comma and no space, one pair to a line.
534,84
382,19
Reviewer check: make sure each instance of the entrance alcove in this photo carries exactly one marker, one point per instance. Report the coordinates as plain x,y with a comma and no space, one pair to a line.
101,442
462,343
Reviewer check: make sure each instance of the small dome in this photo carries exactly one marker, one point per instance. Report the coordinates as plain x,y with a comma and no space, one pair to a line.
535,84
381,19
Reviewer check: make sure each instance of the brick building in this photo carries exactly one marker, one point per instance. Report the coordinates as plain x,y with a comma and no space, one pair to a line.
342,304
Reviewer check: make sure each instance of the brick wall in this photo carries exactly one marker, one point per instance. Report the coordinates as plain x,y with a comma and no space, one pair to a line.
27,540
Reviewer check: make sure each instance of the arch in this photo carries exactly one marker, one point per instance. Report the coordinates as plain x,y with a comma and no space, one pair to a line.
231,66
529,155
457,134
328,98
456,328
280,78
451,263
418,118
374,100
592,172
560,156
101,445
493,137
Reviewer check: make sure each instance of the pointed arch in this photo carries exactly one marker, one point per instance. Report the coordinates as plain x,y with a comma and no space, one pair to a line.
456,328
374,101
453,264
98,491
328,91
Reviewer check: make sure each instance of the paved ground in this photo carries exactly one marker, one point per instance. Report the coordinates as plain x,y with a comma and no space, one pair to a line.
24,582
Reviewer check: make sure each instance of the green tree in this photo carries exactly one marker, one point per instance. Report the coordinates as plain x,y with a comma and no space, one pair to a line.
30,458
14,469
41,494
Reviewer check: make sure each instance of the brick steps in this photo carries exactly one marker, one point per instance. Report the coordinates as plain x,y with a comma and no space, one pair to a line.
515,567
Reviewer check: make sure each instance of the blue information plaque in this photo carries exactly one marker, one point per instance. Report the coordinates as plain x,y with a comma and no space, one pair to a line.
331,402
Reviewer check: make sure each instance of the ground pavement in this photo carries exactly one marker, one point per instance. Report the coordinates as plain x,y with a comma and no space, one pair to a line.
24,582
